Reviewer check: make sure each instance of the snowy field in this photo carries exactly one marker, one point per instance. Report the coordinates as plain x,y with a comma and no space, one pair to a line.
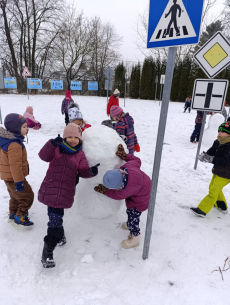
92,268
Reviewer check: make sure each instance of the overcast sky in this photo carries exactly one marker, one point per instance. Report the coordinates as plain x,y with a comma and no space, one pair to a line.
122,14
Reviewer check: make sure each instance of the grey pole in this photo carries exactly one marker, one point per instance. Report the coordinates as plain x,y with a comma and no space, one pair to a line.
107,92
27,87
159,148
125,91
200,139
156,93
0,116
228,111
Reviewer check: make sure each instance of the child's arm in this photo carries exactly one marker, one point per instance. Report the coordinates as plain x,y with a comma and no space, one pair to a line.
63,106
84,171
212,150
123,194
120,128
15,161
133,160
47,152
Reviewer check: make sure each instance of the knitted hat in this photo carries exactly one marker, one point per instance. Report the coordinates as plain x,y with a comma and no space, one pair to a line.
68,94
113,179
29,109
225,127
116,92
72,130
74,114
115,111
13,123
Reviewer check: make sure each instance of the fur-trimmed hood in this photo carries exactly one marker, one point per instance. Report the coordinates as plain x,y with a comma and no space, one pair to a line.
7,137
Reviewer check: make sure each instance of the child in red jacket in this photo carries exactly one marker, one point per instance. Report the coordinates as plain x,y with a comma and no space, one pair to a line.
113,101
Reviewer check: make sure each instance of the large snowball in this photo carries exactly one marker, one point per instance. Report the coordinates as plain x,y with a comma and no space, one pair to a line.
211,132
99,145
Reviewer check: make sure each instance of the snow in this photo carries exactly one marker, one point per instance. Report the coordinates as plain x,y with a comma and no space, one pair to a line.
211,131
184,249
100,145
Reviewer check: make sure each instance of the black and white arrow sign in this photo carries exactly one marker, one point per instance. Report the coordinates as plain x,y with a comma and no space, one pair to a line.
209,94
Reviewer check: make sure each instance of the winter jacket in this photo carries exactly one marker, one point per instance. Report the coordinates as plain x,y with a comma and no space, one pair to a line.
65,105
137,191
31,120
58,187
125,127
221,159
112,102
13,157
199,117
188,103
85,126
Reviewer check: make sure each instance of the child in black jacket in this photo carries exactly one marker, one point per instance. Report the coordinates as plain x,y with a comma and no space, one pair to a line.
219,155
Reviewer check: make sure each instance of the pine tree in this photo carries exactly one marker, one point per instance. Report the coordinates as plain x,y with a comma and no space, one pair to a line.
184,79
163,70
132,82
146,76
137,80
153,81
193,76
176,80
119,79
158,73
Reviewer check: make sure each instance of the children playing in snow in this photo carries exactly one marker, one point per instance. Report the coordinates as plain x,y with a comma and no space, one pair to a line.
57,190
133,185
113,101
125,128
14,168
65,104
188,104
31,122
196,133
219,155
76,117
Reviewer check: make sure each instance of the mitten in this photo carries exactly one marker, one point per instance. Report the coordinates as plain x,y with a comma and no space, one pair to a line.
101,189
137,148
121,152
201,156
19,186
208,158
57,141
94,169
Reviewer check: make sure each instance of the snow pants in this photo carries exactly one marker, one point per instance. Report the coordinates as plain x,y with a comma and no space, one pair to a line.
66,118
55,230
215,194
20,202
196,133
133,221
187,107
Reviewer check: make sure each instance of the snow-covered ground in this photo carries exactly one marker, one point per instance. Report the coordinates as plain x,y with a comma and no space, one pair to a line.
92,268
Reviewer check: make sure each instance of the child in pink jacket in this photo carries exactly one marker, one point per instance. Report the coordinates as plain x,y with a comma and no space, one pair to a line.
31,122
129,182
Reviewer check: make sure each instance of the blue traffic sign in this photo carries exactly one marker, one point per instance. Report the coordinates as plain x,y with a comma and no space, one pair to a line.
92,86
56,84
34,83
76,85
174,22
10,83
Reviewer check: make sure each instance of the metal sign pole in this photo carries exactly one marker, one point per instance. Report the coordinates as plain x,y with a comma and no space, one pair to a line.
200,139
156,93
107,91
125,92
27,87
0,116
159,148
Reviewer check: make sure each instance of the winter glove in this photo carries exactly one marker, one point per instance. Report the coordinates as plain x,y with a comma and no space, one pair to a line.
208,158
123,137
57,141
201,156
101,189
137,148
94,169
121,152
19,186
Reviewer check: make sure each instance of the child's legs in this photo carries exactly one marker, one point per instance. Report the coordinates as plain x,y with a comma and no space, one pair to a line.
133,221
55,229
215,193
196,132
22,200
66,118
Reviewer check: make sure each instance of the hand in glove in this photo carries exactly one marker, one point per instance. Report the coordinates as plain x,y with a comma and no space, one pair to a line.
94,169
137,148
201,156
121,152
208,158
57,141
19,186
101,189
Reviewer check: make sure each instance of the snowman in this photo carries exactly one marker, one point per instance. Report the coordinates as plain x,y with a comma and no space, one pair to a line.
99,145
210,133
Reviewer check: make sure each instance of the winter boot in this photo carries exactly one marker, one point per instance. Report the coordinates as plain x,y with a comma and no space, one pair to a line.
22,221
11,217
131,242
221,206
47,256
124,226
62,238
198,212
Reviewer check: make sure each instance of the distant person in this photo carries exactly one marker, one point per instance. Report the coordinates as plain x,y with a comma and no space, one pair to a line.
113,101
65,104
28,115
219,156
196,133
188,104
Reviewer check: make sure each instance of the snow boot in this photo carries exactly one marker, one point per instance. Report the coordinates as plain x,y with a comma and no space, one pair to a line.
221,206
131,242
22,221
47,256
62,238
11,217
198,212
124,226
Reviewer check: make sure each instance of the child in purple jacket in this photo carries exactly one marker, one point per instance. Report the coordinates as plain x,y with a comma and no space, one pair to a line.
133,185
65,104
67,160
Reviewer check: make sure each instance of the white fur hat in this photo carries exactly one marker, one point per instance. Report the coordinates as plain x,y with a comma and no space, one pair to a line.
116,91
74,114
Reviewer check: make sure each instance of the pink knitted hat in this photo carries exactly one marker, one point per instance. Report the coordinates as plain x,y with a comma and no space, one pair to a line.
115,111
68,94
72,130
30,109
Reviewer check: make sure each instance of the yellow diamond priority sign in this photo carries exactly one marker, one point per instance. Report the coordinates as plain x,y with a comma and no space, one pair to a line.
214,56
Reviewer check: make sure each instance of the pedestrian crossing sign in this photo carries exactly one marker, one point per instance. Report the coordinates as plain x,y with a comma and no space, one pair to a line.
174,22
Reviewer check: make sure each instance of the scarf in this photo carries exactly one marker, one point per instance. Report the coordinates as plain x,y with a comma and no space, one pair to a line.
68,149
125,175
223,140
